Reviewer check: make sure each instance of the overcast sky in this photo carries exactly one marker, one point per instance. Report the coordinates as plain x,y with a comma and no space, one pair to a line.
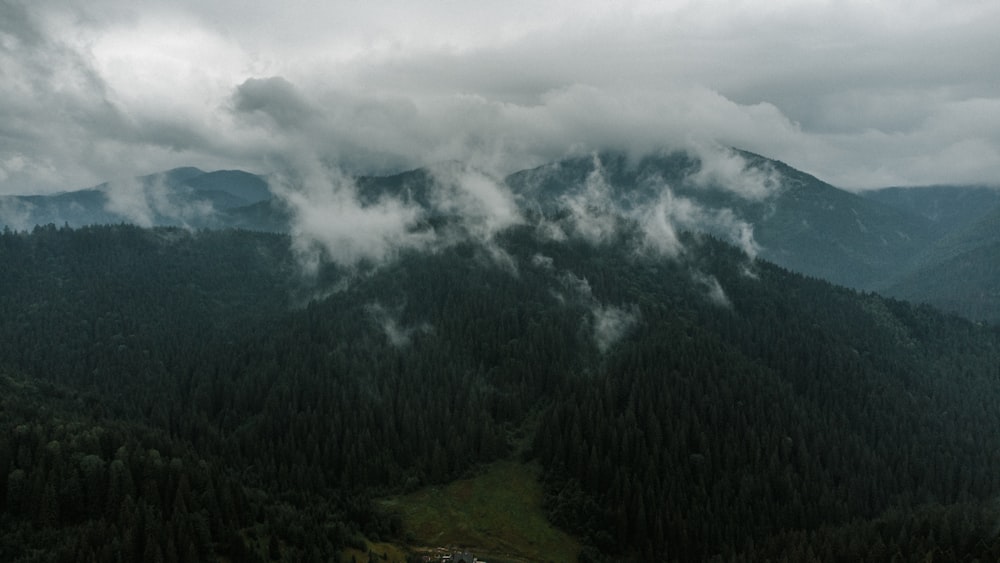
862,94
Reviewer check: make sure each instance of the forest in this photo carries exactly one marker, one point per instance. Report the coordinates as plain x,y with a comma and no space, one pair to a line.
192,395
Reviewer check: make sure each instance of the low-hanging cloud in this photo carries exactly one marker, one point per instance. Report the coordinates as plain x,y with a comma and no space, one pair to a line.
388,320
724,168
146,203
593,212
609,323
484,203
15,213
329,222
713,289
661,220
596,214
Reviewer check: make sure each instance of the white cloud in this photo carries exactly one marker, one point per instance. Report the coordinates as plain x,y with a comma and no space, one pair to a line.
713,289
611,324
388,320
593,213
147,203
858,93
726,169
484,204
330,223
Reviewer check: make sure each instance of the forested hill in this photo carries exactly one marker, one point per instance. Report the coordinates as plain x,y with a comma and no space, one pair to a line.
930,244
179,396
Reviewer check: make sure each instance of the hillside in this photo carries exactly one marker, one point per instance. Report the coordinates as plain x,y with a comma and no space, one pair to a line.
951,207
866,241
793,219
958,271
184,196
688,406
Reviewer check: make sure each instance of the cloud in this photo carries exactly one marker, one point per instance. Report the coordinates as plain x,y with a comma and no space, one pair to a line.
480,197
331,224
146,203
15,213
398,335
275,98
724,168
611,324
859,94
482,203
577,285
542,261
713,289
661,220
593,212
596,211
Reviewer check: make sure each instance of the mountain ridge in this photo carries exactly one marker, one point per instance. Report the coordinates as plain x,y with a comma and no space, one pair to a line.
872,241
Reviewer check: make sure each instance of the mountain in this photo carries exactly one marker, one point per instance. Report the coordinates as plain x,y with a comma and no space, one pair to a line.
902,241
207,395
797,220
179,197
951,207
957,272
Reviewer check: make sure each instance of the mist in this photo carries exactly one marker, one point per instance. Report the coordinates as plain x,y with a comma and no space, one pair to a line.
330,224
388,320
145,203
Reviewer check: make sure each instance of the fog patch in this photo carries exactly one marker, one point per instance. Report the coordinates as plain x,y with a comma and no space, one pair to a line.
542,261
656,222
482,204
388,320
660,221
713,289
329,223
609,323
15,213
726,169
612,323
593,212
579,286
748,271
146,203
550,230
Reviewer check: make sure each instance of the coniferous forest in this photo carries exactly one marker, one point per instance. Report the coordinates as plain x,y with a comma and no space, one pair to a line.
173,395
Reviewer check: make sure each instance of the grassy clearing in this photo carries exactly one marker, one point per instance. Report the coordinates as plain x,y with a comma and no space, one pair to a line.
386,552
497,515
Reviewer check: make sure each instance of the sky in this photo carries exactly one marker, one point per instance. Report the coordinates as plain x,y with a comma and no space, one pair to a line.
860,94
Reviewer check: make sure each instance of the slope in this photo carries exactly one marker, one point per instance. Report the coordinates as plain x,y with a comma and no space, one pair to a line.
789,217
960,273
692,406
951,207
183,196
795,219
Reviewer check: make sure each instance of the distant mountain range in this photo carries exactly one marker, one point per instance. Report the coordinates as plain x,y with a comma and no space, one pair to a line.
939,245
960,270
180,197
